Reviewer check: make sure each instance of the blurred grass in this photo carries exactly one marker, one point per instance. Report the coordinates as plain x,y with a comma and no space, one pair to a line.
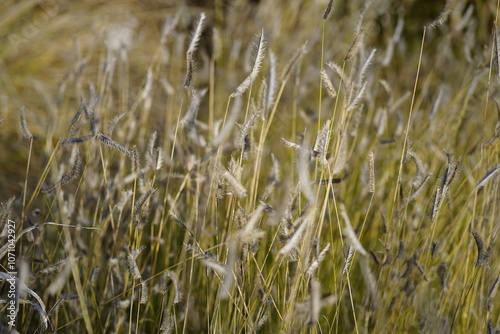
58,52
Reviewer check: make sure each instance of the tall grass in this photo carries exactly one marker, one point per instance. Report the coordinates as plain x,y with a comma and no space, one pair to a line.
325,167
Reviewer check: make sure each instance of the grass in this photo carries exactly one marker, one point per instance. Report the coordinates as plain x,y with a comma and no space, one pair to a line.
251,166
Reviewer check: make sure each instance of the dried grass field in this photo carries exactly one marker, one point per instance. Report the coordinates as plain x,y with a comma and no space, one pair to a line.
249,166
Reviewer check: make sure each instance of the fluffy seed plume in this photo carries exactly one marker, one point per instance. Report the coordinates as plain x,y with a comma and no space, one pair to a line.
489,176
293,62
304,179
168,322
442,272
193,45
111,143
341,160
483,254
75,172
328,84
366,65
140,202
131,262
23,126
174,277
451,171
322,142
229,277
57,305
297,235
242,139
357,100
371,172
328,10
353,49
421,170
448,176
271,84
250,233
315,301
443,16
190,116
346,82
179,220
144,293
259,56
315,264
239,189
497,51
112,125
347,263
290,144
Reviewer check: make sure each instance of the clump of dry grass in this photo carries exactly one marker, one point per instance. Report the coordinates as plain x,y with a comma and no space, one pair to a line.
318,195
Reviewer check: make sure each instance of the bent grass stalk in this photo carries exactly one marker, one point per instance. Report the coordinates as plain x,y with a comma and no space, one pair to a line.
405,142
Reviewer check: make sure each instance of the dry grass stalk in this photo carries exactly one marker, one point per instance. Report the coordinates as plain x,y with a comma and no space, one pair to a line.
229,125
496,49
229,277
492,292
392,42
369,278
294,61
168,27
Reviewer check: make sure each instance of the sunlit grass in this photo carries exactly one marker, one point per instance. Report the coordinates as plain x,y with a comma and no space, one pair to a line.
274,168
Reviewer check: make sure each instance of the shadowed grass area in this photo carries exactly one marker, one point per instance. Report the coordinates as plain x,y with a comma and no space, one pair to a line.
249,166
